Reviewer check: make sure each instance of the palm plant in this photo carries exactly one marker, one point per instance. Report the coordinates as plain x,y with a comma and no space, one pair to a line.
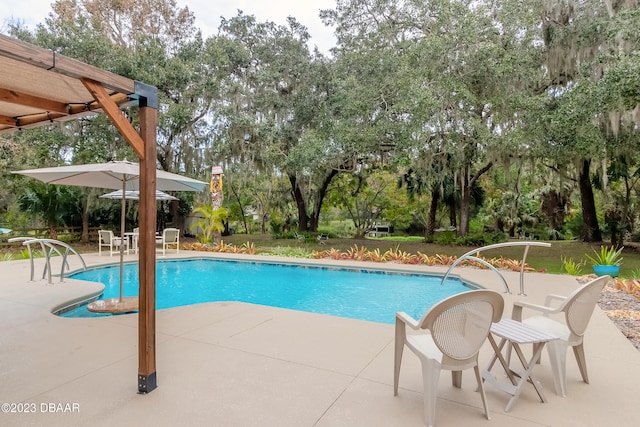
55,204
211,222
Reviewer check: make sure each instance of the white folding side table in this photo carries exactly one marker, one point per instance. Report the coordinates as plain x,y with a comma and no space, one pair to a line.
515,334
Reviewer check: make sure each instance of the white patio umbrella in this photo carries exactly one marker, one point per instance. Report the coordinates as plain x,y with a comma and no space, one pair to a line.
122,175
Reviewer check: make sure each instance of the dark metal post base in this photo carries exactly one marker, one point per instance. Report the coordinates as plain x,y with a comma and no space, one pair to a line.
147,383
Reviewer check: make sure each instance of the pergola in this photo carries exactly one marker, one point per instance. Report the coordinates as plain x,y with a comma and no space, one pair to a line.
39,87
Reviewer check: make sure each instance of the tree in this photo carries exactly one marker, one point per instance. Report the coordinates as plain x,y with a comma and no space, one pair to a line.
590,48
448,75
153,41
276,107
365,197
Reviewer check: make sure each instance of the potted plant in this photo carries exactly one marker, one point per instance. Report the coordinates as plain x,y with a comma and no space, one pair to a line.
607,261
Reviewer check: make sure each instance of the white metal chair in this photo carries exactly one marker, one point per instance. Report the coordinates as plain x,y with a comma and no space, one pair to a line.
458,327
170,237
107,239
577,309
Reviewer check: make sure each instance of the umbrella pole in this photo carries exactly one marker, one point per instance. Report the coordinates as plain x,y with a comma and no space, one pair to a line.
122,213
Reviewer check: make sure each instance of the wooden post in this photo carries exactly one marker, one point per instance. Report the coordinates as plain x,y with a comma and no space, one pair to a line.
147,381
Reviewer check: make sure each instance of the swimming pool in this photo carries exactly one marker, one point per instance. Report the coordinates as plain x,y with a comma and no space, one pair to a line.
373,295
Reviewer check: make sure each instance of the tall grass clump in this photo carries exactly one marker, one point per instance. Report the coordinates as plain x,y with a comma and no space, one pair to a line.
572,267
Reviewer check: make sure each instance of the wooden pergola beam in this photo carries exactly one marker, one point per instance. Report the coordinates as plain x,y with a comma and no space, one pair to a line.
70,110
7,121
54,62
27,100
112,110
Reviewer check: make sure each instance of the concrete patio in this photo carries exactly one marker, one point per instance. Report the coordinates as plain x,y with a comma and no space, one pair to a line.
236,364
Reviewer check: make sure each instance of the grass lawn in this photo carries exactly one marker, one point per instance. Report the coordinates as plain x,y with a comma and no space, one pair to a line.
542,259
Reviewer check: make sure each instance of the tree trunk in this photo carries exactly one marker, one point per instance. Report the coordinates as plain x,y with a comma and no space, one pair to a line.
466,183
465,202
322,192
590,228
453,215
613,219
241,207
263,224
624,223
433,210
53,233
303,218
177,220
84,237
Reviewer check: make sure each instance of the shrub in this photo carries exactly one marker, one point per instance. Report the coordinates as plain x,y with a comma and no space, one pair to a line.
445,238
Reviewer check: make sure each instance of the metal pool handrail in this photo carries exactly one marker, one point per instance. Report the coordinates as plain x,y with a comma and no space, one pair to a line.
52,245
469,256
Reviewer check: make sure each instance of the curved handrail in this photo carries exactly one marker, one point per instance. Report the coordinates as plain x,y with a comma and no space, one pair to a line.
68,248
469,256
23,239
52,245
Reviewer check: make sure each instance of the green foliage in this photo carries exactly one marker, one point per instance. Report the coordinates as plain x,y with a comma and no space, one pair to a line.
69,238
211,222
445,238
572,267
608,255
368,197
481,239
36,253
399,238
472,239
287,251
7,256
304,237
55,204
534,96
275,225
573,225
635,274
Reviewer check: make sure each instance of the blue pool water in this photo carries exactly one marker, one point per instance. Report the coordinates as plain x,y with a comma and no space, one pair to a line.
357,294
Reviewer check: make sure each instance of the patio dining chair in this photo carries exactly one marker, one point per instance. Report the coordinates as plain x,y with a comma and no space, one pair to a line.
107,239
135,239
458,326
170,237
576,309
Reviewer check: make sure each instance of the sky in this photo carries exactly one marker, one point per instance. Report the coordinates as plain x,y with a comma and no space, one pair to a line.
207,13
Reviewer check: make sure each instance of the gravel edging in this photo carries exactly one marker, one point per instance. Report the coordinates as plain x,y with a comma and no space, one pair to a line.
624,311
